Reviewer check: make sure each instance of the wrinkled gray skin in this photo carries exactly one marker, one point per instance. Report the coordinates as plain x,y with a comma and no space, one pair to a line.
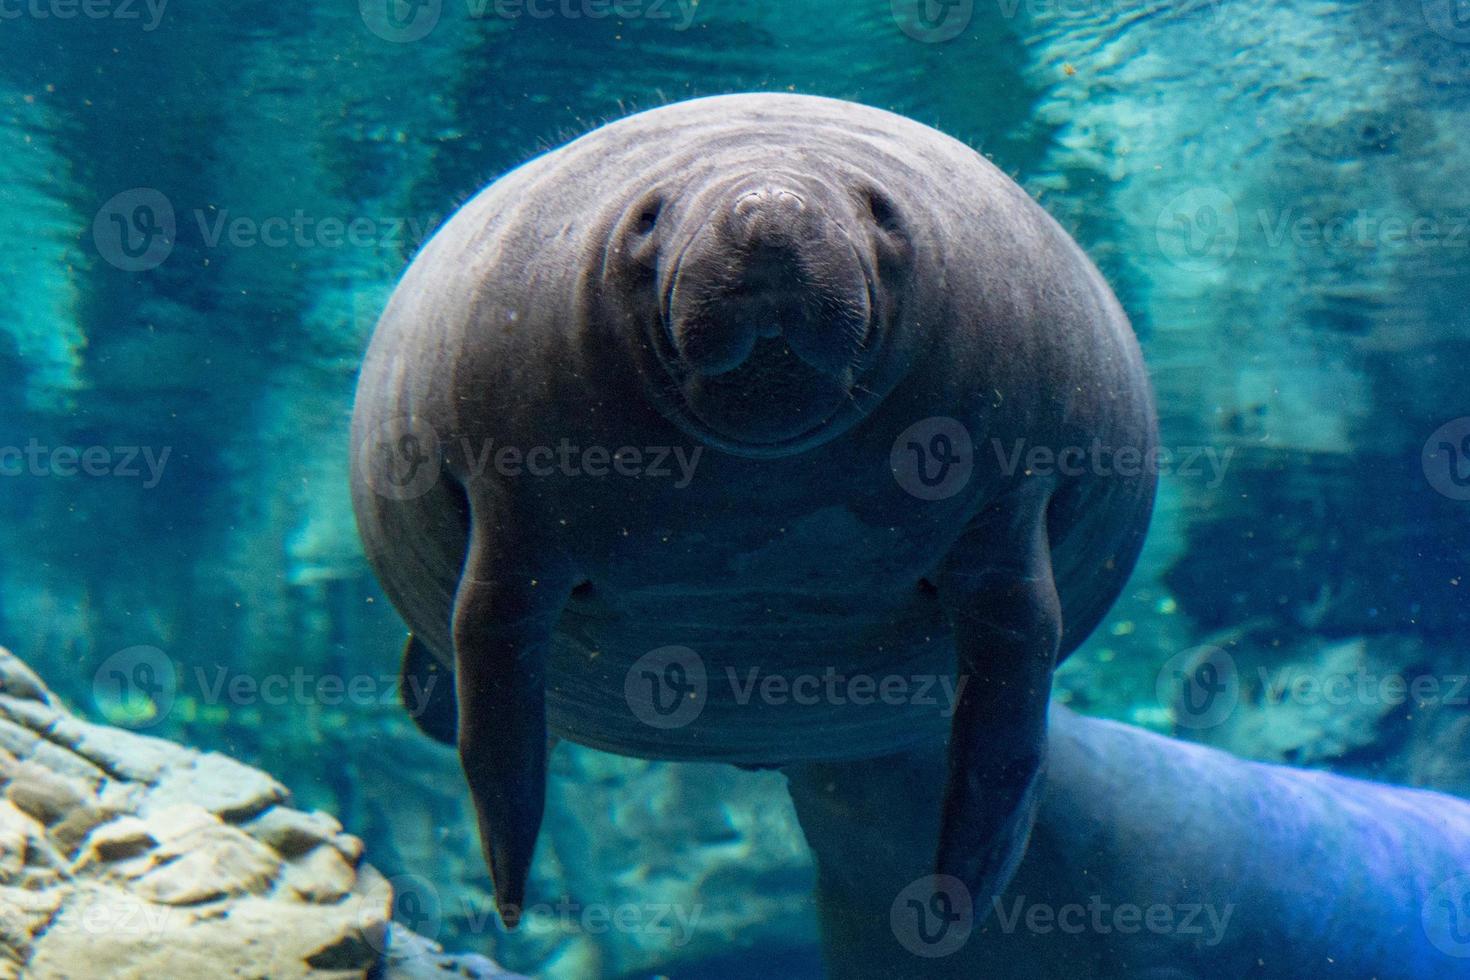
786,283
1248,869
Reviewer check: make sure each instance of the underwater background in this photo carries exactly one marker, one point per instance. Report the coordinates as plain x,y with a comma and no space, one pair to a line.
203,208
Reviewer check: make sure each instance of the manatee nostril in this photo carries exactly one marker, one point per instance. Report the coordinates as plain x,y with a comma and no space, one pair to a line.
767,212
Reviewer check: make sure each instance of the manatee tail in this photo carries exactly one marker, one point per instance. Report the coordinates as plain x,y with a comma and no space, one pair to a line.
426,688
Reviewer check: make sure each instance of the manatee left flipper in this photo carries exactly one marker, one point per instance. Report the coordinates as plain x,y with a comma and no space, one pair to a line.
998,590
508,601
426,688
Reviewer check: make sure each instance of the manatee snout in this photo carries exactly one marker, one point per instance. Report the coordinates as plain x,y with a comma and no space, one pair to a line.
769,306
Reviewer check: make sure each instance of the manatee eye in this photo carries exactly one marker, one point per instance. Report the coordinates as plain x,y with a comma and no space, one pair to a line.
640,244
647,219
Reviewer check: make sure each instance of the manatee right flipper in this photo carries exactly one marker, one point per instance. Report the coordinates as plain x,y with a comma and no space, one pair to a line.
509,599
998,590
426,688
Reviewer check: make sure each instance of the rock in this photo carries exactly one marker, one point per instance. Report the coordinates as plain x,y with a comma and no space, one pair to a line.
46,795
18,681
321,875
123,838
292,832
219,784
412,957
201,859
17,830
182,864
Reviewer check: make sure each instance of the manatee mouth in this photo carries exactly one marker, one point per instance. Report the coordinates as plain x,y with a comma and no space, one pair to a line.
768,322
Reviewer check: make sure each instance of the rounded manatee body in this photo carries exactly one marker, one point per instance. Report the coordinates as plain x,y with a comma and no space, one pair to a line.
751,386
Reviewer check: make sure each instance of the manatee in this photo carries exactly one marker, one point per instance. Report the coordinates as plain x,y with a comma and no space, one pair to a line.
740,430
1158,859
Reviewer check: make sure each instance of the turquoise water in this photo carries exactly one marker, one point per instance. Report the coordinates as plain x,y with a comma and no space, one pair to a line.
203,209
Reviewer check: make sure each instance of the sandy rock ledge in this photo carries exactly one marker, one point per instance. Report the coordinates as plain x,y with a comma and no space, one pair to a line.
128,856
